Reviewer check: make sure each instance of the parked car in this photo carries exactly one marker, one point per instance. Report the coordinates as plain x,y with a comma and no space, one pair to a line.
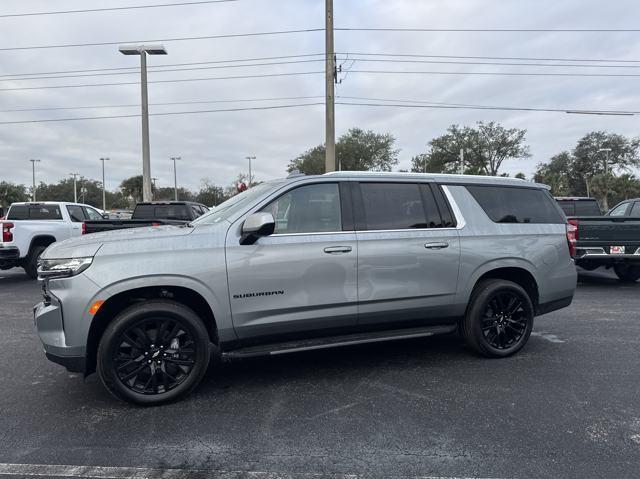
306,263
611,240
30,227
154,213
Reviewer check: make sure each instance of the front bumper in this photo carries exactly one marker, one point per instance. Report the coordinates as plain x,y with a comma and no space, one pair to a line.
48,320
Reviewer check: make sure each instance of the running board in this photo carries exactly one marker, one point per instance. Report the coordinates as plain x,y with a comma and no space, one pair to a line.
336,341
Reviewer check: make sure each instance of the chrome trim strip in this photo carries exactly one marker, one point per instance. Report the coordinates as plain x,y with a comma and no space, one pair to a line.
460,221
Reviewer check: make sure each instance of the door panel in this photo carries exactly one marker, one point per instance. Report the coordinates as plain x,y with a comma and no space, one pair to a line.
301,279
401,278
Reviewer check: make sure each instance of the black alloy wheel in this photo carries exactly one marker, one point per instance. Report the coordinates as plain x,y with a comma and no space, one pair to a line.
499,318
153,352
154,355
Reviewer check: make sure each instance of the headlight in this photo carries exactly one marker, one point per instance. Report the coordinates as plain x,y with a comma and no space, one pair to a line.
62,268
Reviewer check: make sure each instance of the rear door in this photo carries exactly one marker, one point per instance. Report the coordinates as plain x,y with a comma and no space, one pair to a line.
408,252
301,279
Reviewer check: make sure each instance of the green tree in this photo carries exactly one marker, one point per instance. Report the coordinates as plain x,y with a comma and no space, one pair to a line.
486,146
210,194
12,193
356,150
555,173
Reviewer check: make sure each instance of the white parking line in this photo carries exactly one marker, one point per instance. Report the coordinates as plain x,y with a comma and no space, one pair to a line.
100,472
552,338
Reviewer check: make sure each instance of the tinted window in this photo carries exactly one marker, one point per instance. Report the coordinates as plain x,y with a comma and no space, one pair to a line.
308,209
619,210
35,212
587,208
76,214
92,214
516,205
392,206
568,207
163,212
635,211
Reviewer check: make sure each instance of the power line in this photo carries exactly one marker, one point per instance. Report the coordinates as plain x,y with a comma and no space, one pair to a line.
151,67
227,110
291,62
111,9
236,77
492,30
435,105
461,62
137,105
176,39
475,57
408,72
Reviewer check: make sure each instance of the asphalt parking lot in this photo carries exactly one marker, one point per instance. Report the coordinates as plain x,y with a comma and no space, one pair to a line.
568,405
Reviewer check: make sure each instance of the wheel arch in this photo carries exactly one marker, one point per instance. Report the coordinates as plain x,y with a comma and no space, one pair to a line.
516,271
124,299
41,240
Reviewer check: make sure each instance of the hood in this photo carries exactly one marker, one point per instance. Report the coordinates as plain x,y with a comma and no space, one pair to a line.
86,246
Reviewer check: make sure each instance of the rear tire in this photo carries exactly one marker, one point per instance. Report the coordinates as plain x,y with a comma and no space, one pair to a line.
31,262
153,353
627,273
499,318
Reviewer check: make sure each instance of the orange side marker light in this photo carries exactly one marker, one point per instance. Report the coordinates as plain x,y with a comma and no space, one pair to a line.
96,306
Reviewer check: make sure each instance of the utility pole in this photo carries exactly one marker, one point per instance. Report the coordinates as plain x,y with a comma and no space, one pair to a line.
330,72
462,161
75,190
175,176
104,195
33,171
250,177
605,200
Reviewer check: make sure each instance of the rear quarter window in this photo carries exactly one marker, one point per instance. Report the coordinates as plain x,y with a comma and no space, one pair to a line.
505,204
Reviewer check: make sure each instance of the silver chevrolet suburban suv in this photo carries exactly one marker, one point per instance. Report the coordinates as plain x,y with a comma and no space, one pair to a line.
304,263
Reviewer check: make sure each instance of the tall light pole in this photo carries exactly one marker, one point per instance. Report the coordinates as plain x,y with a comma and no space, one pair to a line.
175,176
462,161
75,190
330,109
605,201
143,50
104,195
250,177
154,183
33,172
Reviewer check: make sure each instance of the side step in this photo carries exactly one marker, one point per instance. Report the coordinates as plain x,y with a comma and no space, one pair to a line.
337,341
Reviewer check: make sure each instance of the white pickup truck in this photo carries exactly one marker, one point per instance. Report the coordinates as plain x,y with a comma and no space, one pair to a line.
30,227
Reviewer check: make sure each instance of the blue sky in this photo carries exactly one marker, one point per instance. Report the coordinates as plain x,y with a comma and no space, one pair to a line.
213,145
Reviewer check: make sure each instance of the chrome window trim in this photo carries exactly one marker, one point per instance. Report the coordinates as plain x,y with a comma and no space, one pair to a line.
457,213
278,235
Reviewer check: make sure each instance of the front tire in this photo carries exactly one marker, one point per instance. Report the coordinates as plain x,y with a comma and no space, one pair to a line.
499,318
153,353
627,273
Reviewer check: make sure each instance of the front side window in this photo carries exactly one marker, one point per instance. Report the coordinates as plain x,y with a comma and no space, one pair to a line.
393,206
92,214
619,210
307,209
635,211
75,213
505,204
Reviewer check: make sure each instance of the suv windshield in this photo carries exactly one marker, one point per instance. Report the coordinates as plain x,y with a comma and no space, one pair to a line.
237,202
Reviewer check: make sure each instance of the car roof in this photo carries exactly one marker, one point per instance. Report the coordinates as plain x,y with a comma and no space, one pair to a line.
439,177
63,203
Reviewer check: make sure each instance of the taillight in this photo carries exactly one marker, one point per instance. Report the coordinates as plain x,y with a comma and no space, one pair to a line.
7,235
572,236
84,228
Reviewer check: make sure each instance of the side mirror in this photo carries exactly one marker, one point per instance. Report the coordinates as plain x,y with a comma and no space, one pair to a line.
105,216
255,226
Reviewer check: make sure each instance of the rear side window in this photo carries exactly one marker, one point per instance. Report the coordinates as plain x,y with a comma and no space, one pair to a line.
393,206
35,212
516,205
76,214
635,211
168,212
619,210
